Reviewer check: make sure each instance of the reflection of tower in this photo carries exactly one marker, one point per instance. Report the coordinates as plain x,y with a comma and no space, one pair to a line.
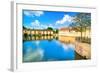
39,33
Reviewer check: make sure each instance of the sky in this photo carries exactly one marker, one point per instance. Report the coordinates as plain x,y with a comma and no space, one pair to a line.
44,19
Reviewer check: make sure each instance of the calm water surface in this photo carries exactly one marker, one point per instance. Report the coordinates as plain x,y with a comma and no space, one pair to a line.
47,50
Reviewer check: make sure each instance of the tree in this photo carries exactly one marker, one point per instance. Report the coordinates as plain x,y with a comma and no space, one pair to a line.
50,28
82,21
87,22
24,27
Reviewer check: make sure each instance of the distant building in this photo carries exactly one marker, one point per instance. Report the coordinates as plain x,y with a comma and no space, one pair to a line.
74,32
66,30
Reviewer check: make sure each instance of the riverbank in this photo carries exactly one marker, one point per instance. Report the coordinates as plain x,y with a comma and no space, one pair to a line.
83,49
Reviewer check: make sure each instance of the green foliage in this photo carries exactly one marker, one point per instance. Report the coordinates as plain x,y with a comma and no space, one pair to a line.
49,28
24,27
81,22
83,19
56,31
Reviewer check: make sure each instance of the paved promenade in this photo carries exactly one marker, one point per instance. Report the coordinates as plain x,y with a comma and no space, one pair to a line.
83,49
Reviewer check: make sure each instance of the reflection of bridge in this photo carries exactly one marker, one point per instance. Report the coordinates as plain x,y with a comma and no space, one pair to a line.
39,38
83,49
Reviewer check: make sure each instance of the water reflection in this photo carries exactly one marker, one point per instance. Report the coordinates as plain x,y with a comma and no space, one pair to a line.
66,39
48,48
38,37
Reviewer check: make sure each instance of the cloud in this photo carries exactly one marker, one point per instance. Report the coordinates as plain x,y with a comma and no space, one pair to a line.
38,13
37,43
50,25
28,26
65,19
37,25
33,25
32,56
33,13
43,26
68,46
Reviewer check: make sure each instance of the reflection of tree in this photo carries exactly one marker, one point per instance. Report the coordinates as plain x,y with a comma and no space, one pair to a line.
56,31
25,35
